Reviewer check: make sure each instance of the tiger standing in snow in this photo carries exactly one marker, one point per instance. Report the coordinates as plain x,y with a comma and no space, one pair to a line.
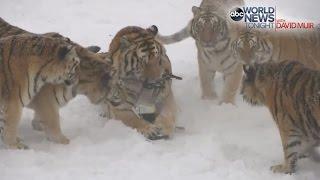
212,30
291,91
27,63
93,83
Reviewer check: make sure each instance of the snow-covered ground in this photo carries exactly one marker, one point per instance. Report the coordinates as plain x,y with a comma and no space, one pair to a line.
220,142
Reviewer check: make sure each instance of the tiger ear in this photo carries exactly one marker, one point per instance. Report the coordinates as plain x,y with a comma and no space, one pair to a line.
195,10
63,51
124,42
94,49
153,30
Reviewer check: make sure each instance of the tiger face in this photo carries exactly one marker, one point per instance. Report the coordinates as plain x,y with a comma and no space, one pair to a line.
252,47
256,82
142,59
208,27
141,64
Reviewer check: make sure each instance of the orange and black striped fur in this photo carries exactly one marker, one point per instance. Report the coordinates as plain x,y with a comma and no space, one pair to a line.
138,59
291,91
256,46
93,79
27,63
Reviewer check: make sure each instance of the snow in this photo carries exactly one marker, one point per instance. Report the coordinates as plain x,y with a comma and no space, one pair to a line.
220,142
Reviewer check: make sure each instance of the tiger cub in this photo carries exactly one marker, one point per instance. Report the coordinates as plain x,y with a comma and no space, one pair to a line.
291,91
142,94
27,63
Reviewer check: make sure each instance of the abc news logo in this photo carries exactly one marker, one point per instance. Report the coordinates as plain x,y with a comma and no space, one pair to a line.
237,14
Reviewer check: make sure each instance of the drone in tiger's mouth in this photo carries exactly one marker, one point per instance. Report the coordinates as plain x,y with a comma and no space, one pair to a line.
147,99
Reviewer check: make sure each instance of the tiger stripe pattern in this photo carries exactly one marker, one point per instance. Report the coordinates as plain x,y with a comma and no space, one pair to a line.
27,64
255,46
213,32
93,83
290,90
139,66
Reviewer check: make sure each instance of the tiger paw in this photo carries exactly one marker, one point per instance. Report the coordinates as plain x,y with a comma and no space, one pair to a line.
17,145
152,132
37,125
282,169
59,139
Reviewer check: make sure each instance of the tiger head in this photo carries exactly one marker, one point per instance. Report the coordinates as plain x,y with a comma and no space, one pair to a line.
62,68
257,81
252,46
94,78
140,64
139,54
209,25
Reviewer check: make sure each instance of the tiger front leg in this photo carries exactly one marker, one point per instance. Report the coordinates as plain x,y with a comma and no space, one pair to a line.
130,119
12,116
206,79
166,120
232,83
47,118
292,150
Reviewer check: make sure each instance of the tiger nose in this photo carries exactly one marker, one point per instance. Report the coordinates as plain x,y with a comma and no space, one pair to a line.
246,55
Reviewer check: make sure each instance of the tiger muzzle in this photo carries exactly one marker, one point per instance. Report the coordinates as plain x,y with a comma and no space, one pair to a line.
149,98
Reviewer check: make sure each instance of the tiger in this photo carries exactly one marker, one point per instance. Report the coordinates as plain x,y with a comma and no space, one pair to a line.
290,90
142,96
212,31
27,63
93,83
254,46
